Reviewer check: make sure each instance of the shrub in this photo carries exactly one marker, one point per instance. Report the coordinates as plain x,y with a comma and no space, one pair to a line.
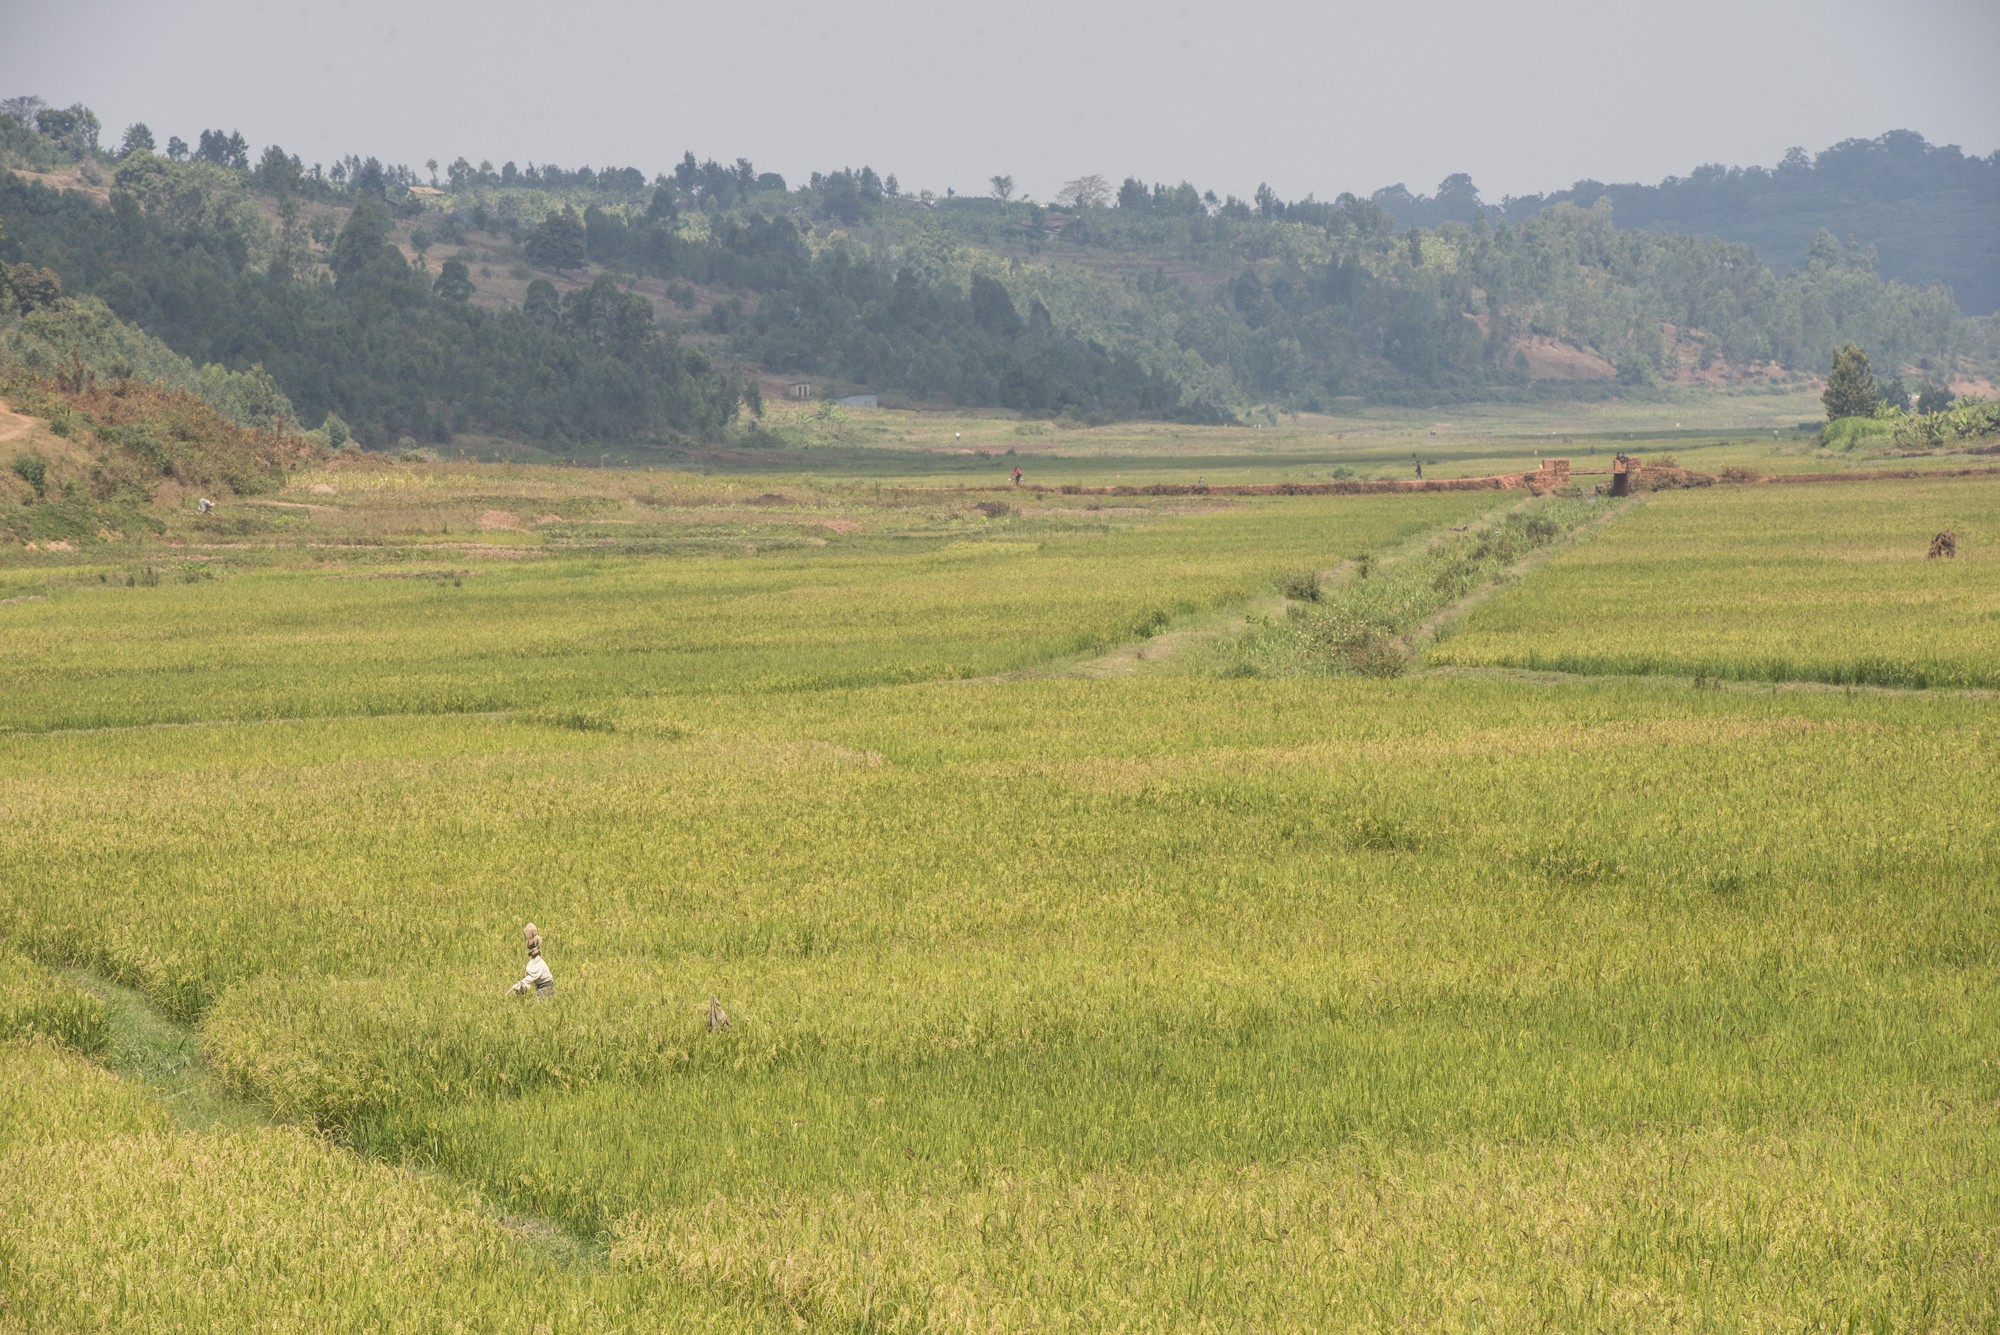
1848,433
334,432
1303,586
34,471
572,719
1636,368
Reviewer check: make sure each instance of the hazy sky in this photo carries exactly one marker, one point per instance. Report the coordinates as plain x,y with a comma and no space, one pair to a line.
1310,97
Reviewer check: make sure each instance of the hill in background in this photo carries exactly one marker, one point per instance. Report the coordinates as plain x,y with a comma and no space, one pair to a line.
590,305
1926,212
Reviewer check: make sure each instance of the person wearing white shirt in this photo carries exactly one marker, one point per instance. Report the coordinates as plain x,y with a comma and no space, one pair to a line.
538,979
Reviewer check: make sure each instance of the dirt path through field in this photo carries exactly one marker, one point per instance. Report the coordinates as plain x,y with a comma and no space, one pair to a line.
151,1047
1153,652
1129,658
13,425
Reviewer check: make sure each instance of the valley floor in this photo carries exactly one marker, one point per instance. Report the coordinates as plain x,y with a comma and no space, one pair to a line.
1459,910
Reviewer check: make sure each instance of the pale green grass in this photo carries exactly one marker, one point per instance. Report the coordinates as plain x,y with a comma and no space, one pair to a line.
1454,441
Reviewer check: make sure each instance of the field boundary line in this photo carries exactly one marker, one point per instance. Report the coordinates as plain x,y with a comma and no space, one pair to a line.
1700,682
8,730
164,1056
1224,622
1427,631
153,1049
1503,482
1878,475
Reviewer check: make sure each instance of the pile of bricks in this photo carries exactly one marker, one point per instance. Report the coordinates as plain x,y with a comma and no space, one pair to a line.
1552,474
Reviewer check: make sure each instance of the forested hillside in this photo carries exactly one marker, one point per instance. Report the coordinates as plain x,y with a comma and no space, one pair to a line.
1930,213
572,304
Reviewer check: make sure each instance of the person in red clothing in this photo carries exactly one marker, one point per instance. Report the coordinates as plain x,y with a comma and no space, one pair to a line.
1017,475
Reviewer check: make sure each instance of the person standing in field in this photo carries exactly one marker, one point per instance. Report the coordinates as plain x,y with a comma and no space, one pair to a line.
1017,475
538,978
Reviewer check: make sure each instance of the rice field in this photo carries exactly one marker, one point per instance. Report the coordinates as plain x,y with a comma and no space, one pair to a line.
1828,582
1165,1000
286,632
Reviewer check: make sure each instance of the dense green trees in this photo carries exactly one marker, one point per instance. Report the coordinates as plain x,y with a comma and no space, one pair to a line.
558,242
1155,298
1934,398
378,345
1925,210
224,150
849,314
1343,304
454,283
72,129
1850,388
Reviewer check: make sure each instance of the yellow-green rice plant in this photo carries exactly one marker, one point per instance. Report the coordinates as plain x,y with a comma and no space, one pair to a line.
1827,582
1696,1228
36,1001
569,633
116,1223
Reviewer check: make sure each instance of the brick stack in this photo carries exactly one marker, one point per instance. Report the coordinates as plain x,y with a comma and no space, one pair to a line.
1552,474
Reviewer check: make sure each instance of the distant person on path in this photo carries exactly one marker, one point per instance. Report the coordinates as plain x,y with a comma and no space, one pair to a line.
538,979
1017,475
1420,470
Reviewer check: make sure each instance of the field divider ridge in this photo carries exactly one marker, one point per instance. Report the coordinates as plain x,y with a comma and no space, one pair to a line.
1698,681
164,1056
1437,623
